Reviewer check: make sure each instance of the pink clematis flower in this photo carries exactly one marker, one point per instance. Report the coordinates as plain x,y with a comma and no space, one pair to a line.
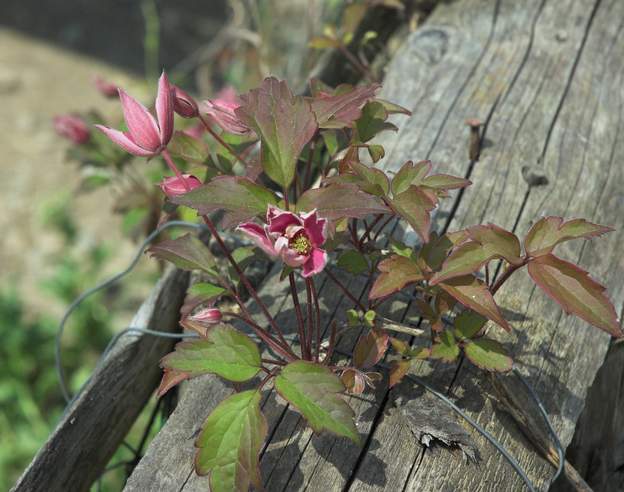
73,128
174,186
207,316
146,136
222,109
295,238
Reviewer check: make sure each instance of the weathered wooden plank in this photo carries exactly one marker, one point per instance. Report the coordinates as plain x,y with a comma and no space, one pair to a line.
93,427
551,111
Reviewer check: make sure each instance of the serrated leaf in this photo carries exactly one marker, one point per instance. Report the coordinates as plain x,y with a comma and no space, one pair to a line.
575,291
170,379
489,242
468,324
188,148
400,248
314,390
353,262
377,181
340,200
372,121
396,272
446,349
230,442
550,231
414,205
205,291
410,174
393,108
341,109
187,252
239,196
474,294
285,124
488,354
398,370
370,348
225,351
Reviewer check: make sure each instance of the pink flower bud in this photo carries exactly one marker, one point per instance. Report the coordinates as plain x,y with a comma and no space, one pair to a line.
208,316
184,104
72,128
104,87
173,186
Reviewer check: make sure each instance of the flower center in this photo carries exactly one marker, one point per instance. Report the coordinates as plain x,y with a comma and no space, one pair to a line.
301,243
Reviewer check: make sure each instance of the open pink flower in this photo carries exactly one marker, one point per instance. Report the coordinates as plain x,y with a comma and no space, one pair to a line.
295,238
146,136
72,127
222,109
174,186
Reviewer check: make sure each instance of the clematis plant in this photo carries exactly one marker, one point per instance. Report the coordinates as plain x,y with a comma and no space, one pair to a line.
298,177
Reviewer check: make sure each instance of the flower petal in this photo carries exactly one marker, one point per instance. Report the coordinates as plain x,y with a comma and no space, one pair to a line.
141,124
259,236
316,263
164,108
280,220
174,186
125,141
315,227
222,113
289,256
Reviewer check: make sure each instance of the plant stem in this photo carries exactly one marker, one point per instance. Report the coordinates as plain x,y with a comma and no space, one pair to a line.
274,362
382,227
310,319
300,324
506,274
344,289
218,138
317,308
332,343
265,336
246,282
355,62
174,168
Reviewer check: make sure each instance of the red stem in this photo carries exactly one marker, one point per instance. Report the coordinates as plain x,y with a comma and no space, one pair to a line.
300,324
318,320
218,138
506,274
344,289
310,319
174,168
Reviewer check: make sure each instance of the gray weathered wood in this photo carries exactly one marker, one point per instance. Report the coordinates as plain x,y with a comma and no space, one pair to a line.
93,427
545,76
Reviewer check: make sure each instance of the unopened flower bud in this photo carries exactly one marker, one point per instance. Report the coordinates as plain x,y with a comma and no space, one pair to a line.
184,104
104,87
208,316
173,186
73,128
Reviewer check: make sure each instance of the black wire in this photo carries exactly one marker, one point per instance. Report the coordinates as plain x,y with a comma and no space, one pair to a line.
72,307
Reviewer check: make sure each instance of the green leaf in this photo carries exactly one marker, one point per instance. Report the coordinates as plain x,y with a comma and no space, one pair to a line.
353,262
400,248
340,200
353,318
575,291
323,42
188,148
370,348
410,174
498,242
414,205
205,291
375,179
225,351
331,141
372,121
187,252
468,324
474,294
314,391
445,182
447,349
435,251
550,231
396,272
239,196
230,441
376,152
488,354
243,256
284,123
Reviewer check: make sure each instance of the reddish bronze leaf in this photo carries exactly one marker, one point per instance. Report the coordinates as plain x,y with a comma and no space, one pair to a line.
398,370
370,348
414,205
171,378
341,200
575,291
340,110
474,294
550,231
396,272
